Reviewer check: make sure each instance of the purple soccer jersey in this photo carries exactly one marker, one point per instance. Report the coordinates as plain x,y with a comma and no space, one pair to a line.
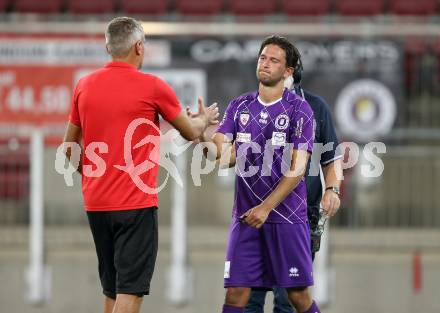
264,136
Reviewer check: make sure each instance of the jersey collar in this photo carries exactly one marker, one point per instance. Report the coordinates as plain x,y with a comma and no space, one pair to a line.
120,64
283,97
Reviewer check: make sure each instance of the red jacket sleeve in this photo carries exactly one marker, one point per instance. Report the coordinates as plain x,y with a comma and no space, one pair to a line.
74,113
166,100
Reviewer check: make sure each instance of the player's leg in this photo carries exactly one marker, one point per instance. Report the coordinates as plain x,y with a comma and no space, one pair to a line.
289,255
236,299
244,267
302,300
102,235
281,302
136,241
256,301
127,303
109,304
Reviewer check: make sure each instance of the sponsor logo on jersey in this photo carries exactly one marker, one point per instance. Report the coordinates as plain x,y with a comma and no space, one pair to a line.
278,139
244,137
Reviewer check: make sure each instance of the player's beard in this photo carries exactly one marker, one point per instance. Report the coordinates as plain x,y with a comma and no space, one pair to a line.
269,81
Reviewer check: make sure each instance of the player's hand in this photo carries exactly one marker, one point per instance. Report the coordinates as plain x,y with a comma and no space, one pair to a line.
330,203
213,107
256,216
189,113
213,114
210,114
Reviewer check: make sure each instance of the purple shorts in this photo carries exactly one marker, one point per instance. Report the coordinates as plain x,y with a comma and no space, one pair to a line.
276,255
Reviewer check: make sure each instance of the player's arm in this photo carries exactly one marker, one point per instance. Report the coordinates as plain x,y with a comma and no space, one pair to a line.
168,105
192,127
228,157
333,173
222,149
331,162
256,216
332,177
73,134
289,181
220,146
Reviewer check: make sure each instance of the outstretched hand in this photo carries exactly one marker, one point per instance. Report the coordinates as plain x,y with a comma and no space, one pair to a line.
209,114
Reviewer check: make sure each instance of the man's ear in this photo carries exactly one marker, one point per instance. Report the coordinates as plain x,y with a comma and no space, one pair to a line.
138,47
106,48
288,72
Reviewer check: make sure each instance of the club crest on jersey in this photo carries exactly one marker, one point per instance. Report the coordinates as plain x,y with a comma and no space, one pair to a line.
282,121
244,118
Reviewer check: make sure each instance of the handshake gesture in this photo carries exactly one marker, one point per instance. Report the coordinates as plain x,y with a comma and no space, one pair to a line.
193,125
209,115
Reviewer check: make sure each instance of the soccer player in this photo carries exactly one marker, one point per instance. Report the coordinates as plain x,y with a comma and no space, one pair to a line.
330,160
122,216
268,135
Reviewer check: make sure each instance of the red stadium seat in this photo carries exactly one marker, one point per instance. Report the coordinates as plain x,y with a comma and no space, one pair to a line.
14,176
4,5
309,7
197,7
414,49
40,6
252,7
356,7
144,6
412,7
416,46
91,6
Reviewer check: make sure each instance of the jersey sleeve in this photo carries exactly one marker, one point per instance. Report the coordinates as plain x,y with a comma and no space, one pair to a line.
227,125
302,134
328,136
166,101
74,112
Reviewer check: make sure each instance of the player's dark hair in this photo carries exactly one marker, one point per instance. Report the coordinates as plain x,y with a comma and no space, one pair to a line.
292,53
298,69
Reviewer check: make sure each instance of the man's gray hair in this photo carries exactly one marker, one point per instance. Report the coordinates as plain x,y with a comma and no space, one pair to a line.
121,34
